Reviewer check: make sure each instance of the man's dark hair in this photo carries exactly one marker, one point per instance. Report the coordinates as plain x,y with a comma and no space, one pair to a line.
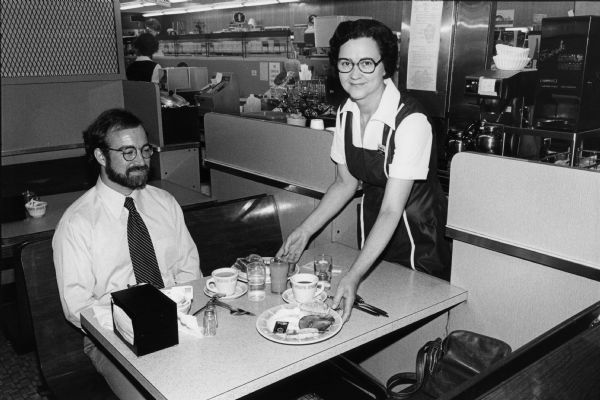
368,28
146,44
109,121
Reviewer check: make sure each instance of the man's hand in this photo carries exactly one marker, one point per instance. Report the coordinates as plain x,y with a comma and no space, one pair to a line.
294,245
346,290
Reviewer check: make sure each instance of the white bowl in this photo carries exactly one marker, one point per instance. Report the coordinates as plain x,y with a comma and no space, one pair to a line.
504,50
510,63
36,209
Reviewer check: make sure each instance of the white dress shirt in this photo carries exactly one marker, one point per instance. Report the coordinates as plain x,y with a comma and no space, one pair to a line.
413,138
91,253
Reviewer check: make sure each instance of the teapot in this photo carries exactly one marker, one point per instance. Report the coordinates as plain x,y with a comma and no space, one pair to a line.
458,141
489,139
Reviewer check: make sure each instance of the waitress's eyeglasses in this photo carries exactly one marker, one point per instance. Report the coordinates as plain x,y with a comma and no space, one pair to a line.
130,153
365,65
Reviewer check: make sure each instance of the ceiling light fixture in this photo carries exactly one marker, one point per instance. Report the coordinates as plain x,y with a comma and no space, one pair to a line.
145,3
216,6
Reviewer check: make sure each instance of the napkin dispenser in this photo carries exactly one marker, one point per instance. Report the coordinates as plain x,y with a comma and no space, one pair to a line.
149,314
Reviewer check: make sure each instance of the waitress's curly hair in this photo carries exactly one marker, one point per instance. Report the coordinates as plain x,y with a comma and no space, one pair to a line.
369,28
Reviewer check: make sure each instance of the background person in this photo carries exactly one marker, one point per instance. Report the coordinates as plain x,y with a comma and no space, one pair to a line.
91,243
143,68
383,139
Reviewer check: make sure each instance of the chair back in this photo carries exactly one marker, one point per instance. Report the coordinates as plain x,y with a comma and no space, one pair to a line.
224,231
59,345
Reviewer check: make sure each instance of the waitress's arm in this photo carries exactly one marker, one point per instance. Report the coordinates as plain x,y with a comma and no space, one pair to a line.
338,194
394,200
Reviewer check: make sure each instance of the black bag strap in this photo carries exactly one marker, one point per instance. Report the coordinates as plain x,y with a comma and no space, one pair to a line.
427,359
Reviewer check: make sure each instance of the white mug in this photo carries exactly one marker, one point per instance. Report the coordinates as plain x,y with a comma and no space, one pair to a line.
223,280
317,124
306,287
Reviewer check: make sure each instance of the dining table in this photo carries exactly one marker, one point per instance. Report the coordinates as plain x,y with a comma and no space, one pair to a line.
239,360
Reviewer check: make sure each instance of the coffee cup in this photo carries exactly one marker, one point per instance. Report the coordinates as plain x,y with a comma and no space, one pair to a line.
306,287
223,281
317,124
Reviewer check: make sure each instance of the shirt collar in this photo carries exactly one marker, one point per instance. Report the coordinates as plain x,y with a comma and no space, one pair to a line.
143,58
384,113
114,201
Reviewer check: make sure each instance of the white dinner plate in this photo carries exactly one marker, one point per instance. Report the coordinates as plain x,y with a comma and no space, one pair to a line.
292,314
240,289
288,296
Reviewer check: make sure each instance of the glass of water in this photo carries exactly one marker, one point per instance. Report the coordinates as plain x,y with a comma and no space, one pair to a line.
257,277
323,267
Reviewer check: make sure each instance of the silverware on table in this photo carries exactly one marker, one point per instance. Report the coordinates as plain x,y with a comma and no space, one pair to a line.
360,304
232,310
212,300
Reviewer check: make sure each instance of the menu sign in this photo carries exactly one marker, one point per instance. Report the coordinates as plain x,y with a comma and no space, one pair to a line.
424,45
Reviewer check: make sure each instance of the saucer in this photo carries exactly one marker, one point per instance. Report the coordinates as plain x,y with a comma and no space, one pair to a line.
240,289
288,296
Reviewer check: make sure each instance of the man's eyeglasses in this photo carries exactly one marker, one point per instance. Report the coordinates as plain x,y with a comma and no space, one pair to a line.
130,153
365,65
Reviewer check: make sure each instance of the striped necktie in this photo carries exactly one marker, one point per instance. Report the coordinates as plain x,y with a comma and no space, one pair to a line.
141,250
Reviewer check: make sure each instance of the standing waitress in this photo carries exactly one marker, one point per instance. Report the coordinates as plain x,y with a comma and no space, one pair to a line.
143,68
384,140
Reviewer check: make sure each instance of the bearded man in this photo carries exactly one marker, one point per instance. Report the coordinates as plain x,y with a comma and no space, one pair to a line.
121,232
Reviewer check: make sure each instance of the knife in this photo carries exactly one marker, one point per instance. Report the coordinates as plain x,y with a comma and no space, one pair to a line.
232,309
359,300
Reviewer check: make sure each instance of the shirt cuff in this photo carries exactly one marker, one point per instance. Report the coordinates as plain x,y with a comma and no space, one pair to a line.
409,173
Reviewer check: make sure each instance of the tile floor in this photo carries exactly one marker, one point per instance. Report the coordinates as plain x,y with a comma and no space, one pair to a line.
19,376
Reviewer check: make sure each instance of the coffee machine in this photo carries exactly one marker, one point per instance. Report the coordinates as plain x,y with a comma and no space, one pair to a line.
504,99
567,95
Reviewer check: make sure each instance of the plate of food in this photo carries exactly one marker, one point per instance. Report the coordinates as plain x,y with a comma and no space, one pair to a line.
299,324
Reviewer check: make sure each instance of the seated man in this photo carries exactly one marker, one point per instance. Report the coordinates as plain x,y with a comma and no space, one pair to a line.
119,233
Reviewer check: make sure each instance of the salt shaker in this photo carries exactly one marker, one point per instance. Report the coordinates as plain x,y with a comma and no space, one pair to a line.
209,321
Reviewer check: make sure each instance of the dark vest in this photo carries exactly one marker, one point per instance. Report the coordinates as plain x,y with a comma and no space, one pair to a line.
140,71
418,240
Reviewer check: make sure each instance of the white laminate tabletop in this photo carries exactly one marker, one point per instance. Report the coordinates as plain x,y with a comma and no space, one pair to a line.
239,361
18,231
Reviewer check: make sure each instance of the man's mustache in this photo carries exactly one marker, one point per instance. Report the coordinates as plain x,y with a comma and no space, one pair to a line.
142,168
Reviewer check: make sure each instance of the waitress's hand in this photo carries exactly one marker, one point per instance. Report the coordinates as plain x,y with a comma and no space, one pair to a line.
346,290
294,245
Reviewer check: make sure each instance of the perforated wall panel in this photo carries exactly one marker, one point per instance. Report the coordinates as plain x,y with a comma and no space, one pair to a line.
49,38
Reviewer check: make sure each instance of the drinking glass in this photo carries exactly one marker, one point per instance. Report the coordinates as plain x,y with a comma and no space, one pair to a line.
257,277
279,275
323,267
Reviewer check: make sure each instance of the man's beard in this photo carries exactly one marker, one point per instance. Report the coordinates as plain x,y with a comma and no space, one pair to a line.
136,181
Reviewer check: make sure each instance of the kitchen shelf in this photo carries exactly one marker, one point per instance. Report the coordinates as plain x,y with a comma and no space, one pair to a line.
241,44
576,152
